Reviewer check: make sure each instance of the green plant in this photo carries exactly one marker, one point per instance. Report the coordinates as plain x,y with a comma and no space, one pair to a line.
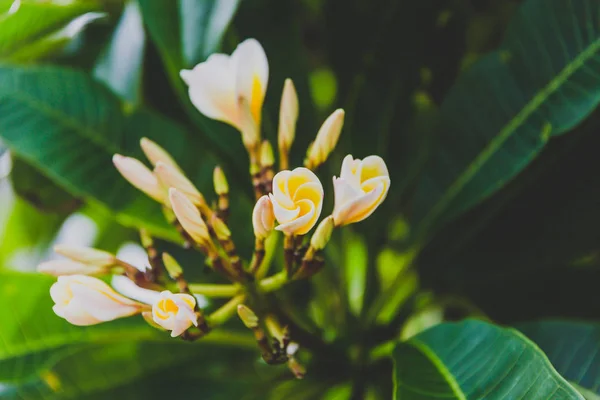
476,278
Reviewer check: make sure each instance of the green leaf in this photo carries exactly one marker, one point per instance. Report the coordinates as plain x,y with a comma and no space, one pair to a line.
475,360
69,126
120,64
500,114
572,347
32,29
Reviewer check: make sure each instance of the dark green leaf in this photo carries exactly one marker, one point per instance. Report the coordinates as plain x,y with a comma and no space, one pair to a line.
69,126
475,360
572,347
500,114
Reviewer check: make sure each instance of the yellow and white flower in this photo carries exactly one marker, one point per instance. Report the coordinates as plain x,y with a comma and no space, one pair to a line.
226,88
83,300
360,189
263,219
297,200
175,312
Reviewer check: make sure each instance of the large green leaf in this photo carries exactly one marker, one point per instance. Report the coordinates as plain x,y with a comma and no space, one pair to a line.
176,34
69,126
475,360
540,83
572,347
33,29
33,339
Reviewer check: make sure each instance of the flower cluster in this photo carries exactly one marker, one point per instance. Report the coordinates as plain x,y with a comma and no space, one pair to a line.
230,89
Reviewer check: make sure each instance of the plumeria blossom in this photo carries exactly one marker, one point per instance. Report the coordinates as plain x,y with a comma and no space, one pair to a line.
83,300
297,200
360,189
175,312
228,88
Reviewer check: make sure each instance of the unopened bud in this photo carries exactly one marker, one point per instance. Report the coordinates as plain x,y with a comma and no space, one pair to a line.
156,154
171,177
247,316
263,218
139,176
267,159
322,234
86,255
326,139
146,239
172,266
288,116
220,228
189,217
69,267
220,182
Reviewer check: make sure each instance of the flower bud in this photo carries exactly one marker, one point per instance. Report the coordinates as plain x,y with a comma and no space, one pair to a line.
267,159
172,266
86,255
220,228
139,176
171,177
288,116
69,267
189,217
220,182
247,316
326,140
360,189
263,219
146,239
156,154
83,300
322,234
175,312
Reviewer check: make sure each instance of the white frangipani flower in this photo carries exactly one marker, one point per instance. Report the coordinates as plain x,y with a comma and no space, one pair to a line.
175,312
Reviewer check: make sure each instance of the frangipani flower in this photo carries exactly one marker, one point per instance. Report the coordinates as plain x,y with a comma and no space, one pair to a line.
83,300
175,312
263,219
360,189
297,200
227,88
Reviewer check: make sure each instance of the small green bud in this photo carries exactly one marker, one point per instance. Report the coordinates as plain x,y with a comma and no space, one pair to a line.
247,316
220,228
173,268
323,233
267,159
220,182
146,239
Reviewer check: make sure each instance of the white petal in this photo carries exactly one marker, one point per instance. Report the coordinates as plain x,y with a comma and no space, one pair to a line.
280,188
104,306
344,193
283,214
128,288
212,88
373,166
359,208
301,225
139,176
252,73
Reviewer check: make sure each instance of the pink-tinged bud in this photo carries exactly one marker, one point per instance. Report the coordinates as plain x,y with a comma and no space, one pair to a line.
70,267
171,177
189,217
288,116
175,312
83,300
156,153
263,218
86,255
139,176
326,140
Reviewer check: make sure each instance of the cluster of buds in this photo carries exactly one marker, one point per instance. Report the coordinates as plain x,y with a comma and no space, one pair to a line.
230,89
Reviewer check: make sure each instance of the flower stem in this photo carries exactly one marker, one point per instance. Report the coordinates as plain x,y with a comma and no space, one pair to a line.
274,282
229,309
211,290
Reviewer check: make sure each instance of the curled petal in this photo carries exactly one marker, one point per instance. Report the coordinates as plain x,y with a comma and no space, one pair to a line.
302,224
360,207
252,75
283,214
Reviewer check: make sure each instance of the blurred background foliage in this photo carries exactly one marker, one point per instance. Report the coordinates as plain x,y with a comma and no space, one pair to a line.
441,89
